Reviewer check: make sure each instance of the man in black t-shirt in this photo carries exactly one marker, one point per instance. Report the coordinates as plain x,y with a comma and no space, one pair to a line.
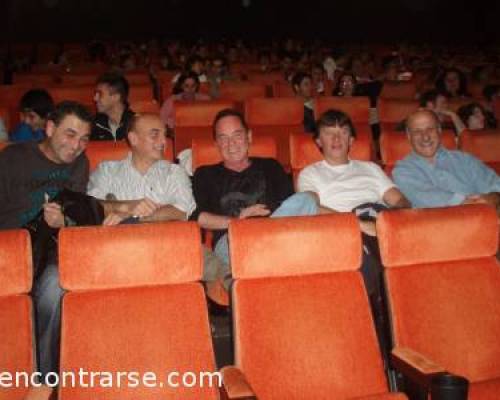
31,175
241,187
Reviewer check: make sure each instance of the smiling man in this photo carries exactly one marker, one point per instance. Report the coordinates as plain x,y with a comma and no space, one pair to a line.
143,185
432,176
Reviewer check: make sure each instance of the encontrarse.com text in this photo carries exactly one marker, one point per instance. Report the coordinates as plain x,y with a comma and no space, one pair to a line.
92,379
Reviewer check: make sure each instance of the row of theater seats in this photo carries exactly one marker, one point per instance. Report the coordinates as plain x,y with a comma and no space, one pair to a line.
301,317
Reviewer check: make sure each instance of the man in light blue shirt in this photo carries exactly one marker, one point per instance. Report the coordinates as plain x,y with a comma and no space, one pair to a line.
432,176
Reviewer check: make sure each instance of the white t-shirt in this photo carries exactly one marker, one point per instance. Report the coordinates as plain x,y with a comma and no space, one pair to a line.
344,187
164,183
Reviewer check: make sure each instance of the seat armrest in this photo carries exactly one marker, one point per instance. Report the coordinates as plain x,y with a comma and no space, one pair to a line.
415,366
235,385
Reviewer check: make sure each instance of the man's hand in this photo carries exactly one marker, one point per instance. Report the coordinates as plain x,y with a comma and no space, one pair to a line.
52,214
257,210
114,218
144,208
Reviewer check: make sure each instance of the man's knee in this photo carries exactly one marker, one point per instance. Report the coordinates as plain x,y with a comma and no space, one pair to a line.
47,290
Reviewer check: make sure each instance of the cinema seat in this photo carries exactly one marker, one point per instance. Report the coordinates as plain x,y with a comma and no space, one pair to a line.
194,120
238,91
16,310
304,151
140,92
484,145
81,94
283,89
205,151
134,303
392,112
145,106
443,283
404,90
107,150
302,322
356,107
276,117
394,146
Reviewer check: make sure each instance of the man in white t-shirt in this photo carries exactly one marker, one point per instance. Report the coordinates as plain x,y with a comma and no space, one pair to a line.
341,184
143,186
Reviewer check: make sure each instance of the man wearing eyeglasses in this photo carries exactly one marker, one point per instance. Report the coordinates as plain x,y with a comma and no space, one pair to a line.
432,176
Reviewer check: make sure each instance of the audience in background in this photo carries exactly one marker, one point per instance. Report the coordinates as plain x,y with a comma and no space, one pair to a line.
475,117
303,88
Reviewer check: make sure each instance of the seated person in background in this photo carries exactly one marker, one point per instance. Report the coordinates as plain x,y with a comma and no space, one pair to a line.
240,187
438,103
319,78
303,88
186,89
339,183
453,83
343,185
35,106
432,176
346,85
113,112
476,118
4,136
491,93
219,72
143,186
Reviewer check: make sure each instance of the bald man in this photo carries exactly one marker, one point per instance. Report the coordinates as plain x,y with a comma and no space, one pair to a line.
432,176
144,186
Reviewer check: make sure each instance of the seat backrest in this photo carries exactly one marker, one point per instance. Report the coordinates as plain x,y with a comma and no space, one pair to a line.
405,90
241,91
145,106
297,292
16,327
394,146
99,151
135,287
392,112
443,284
83,94
140,92
356,107
304,151
484,145
283,89
205,151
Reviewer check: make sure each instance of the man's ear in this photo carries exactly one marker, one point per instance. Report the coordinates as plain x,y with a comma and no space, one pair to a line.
50,127
249,136
132,138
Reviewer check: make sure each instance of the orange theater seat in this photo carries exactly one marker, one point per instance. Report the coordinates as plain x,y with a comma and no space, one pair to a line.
241,91
443,283
79,79
10,96
205,151
484,145
145,106
277,117
405,90
392,112
304,151
105,150
301,314
81,94
135,304
356,107
283,89
394,146
194,120
140,92
16,327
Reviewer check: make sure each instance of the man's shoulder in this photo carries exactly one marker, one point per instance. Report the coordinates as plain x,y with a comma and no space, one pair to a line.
111,167
19,151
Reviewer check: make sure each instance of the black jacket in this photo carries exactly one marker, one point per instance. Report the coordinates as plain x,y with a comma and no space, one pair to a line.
102,131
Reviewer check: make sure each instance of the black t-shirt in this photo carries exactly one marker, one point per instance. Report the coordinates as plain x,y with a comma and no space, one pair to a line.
26,174
222,191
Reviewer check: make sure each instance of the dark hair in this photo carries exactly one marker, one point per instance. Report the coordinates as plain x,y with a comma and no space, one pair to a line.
228,112
67,107
490,90
429,96
37,100
462,88
193,60
183,78
298,78
117,83
336,91
334,118
467,110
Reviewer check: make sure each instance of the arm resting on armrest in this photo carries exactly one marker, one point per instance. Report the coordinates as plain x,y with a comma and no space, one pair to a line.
235,386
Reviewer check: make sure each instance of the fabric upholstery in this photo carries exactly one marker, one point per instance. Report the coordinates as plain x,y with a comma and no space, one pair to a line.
199,114
159,329
404,90
98,151
485,145
409,237
315,244
16,344
241,91
205,151
356,107
486,390
386,396
393,111
445,297
88,256
306,337
274,111
16,270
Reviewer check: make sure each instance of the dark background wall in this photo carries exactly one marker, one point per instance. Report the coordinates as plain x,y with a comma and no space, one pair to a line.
361,20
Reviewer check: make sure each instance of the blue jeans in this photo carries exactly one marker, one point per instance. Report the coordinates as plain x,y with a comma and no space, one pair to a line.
47,296
298,204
